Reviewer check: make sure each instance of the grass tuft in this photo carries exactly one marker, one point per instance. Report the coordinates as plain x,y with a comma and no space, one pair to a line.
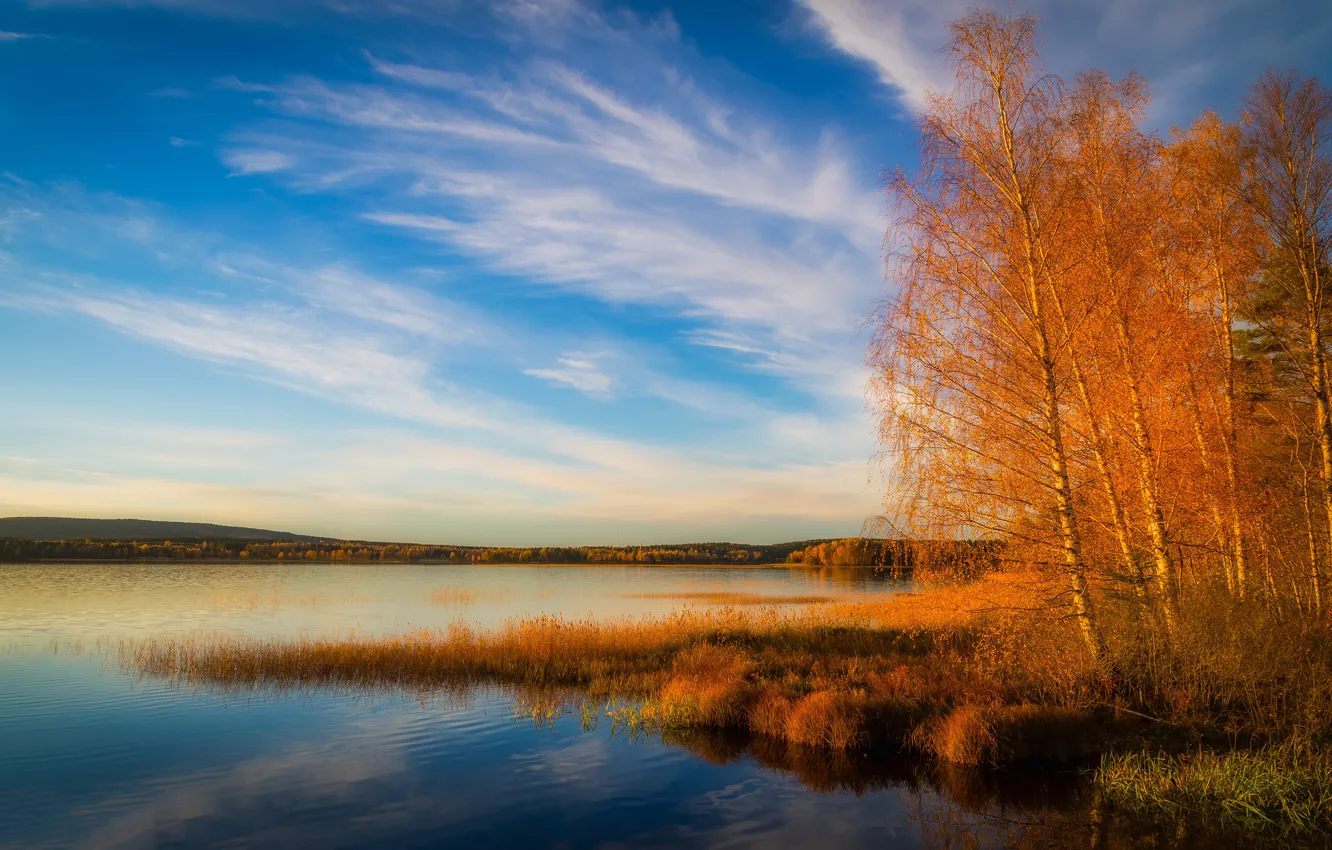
709,686
1284,788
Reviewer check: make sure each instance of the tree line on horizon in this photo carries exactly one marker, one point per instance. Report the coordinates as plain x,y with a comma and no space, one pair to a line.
939,557
17,549
1107,348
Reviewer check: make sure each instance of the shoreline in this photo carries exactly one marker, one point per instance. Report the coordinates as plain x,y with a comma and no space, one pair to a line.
960,674
438,563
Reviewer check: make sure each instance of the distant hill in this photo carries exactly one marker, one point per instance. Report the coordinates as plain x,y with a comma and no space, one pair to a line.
73,528
73,539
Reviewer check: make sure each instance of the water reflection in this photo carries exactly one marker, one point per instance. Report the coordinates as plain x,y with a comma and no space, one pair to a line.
860,579
966,807
42,601
93,757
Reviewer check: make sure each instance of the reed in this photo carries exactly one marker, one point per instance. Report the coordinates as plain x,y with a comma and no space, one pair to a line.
968,674
726,598
822,676
1283,788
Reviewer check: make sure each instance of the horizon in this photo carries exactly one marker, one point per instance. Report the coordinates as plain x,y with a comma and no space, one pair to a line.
531,273
442,543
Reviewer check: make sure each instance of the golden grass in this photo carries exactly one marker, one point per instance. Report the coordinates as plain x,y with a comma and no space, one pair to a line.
973,734
972,674
709,685
965,735
819,676
730,597
832,719
952,605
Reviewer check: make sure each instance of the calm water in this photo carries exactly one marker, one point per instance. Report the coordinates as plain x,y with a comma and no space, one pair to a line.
91,756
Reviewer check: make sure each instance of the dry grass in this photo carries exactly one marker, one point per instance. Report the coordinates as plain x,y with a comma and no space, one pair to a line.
728,597
974,734
708,686
965,735
816,676
953,605
832,719
969,674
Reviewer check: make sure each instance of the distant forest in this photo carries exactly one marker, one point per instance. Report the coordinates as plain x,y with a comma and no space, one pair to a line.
198,549
851,551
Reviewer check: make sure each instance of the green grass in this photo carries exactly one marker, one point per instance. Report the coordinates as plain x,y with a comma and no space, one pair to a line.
1284,788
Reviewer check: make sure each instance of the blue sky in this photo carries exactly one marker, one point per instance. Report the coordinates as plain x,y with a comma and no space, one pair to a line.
511,272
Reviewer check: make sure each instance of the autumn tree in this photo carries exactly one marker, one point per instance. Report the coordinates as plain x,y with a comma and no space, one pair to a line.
1217,232
971,361
1288,120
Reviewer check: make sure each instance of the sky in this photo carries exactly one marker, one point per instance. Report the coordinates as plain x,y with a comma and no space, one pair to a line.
519,272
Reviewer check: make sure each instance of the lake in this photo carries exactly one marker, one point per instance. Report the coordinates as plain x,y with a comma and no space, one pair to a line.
94,756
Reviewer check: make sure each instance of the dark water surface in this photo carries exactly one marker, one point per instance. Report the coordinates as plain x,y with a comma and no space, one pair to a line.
92,756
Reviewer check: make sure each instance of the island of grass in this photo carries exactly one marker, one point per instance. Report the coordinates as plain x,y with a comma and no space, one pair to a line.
1226,722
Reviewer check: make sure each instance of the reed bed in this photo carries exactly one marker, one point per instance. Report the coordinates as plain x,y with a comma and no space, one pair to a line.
996,595
815,676
969,675
730,597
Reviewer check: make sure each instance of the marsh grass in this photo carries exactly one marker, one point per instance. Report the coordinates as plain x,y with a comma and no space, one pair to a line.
970,675
821,676
727,598
946,606
1284,788
974,734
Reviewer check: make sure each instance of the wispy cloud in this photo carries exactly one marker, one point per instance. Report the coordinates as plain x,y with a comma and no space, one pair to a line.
676,201
272,338
581,239
244,162
579,371
694,145
899,40
1174,44
576,209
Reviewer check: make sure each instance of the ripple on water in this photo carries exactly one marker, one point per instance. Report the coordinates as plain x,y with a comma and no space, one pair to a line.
91,756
